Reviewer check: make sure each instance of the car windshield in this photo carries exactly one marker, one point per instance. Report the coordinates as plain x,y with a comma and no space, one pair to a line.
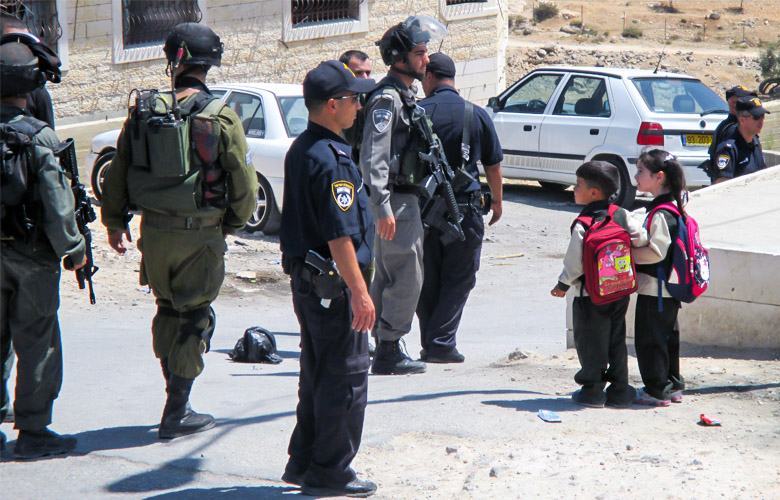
677,95
295,114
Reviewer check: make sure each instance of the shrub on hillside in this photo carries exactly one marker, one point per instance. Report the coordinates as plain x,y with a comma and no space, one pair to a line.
632,32
544,11
770,61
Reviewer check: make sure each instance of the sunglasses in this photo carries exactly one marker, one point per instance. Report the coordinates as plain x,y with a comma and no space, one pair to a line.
354,97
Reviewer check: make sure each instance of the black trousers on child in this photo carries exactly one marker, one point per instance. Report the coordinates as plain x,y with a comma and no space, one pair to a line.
600,339
657,342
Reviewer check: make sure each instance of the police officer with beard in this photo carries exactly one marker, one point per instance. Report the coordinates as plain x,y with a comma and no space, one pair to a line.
38,229
326,239
467,135
391,169
193,188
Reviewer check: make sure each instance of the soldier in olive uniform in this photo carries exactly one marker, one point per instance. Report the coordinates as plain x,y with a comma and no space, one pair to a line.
36,233
185,217
394,197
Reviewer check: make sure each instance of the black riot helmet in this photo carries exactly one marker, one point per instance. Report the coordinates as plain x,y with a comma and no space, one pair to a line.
26,64
201,45
403,37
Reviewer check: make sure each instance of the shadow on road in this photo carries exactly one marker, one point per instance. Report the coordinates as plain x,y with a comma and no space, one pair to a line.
116,438
228,493
720,389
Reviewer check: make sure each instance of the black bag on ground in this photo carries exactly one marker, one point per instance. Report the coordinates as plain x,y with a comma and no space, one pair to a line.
258,345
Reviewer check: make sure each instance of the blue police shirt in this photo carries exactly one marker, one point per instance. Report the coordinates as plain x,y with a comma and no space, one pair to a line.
735,157
324,197
446,109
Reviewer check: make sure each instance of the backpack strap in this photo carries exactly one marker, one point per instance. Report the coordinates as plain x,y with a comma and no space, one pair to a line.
660,271
27,125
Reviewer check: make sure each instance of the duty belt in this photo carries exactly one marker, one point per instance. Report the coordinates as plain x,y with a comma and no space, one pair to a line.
472,200
178,222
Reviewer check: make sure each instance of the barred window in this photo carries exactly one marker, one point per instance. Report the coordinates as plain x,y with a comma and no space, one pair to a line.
148,22
40,16
316,11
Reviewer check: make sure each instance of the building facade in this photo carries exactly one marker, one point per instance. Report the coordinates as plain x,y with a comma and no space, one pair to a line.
109,47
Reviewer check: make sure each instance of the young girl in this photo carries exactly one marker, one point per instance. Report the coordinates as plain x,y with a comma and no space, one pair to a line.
656,334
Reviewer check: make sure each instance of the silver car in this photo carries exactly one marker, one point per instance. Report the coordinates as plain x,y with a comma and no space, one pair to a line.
272,115
555,118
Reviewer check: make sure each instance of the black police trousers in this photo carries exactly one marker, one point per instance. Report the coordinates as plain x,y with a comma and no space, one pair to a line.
657,342
28,315
450,273
600,339
332,389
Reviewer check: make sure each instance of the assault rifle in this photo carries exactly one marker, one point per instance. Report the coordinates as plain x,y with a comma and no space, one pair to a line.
66,152
440,209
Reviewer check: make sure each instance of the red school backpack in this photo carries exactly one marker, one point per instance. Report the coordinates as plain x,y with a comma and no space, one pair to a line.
690,271
607,259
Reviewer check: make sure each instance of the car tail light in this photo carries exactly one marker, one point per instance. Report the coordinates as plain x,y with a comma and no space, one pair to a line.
650,134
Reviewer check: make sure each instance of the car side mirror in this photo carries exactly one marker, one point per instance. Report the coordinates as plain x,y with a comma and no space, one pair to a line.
494,104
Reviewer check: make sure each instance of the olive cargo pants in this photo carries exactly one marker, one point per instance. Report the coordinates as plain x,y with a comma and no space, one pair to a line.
185,269
28,317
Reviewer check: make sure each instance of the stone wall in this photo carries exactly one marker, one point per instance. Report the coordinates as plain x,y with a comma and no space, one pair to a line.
254,51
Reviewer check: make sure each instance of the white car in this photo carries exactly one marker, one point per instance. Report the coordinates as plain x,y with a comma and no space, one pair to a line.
272,114
556,118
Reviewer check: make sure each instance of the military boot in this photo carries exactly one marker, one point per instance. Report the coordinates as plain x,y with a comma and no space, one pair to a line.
166,372
178,419
42,443
390,359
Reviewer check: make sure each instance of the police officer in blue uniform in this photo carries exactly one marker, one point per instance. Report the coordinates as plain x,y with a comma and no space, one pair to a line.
741,153
327,239
726,128
468,135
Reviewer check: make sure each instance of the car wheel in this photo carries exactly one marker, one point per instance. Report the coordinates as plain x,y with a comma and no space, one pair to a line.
626,190
266,216
552,186
99,171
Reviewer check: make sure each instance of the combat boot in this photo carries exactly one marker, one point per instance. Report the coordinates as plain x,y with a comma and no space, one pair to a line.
42,443
178,419
390,359
166,372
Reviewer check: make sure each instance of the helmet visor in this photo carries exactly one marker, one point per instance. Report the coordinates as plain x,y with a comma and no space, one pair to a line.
424,29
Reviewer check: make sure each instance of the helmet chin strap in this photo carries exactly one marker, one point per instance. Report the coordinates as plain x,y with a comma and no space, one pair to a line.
407,72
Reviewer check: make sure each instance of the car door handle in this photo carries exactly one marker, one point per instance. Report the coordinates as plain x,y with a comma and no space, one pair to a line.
527,128
594,131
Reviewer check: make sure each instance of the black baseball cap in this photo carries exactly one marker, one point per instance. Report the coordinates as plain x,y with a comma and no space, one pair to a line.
330,79
751,105
441,66
739,91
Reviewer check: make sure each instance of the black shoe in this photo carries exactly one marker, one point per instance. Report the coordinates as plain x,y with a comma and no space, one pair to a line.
290,477
355,488
451,357
178,419
391,360
36,444
423,354
581,400
2,444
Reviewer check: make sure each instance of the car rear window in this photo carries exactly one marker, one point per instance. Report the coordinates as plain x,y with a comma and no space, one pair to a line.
296,116
676,95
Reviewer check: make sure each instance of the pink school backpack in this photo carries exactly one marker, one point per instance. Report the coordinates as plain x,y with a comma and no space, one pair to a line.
690,272
607,259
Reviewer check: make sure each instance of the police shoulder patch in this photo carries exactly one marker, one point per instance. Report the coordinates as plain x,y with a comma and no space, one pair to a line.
343,193
723,161
381,119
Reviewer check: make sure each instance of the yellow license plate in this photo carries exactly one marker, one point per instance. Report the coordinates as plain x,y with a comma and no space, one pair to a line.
698,139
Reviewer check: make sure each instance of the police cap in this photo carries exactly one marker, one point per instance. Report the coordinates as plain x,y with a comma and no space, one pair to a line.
330,79
739,91
752,105
201,45
441,66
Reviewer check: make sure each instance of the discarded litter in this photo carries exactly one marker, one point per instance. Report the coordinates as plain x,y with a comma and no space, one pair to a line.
549,416
708,421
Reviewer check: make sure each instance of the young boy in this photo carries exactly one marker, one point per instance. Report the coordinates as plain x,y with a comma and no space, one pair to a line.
599,330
